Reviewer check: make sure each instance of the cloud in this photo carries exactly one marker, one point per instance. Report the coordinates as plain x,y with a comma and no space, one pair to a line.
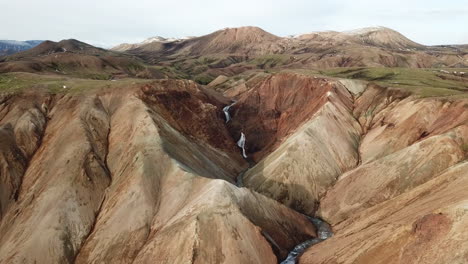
111,22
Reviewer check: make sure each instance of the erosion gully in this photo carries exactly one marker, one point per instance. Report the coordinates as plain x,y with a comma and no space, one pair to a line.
324,230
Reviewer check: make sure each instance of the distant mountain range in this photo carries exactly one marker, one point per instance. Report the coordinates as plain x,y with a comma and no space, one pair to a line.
231,51
8,47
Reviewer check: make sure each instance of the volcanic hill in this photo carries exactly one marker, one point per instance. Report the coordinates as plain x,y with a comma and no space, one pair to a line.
236,147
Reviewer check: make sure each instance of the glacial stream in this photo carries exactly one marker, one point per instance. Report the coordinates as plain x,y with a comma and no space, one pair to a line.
323,228
323,232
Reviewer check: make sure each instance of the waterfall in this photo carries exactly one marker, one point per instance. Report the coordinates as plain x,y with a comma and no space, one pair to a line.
226,111
241,144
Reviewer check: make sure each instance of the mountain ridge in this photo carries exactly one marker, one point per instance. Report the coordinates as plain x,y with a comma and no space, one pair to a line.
8,47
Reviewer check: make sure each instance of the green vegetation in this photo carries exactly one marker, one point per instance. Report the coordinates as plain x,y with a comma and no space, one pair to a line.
465,148
203,79
17,82
423,82
270,61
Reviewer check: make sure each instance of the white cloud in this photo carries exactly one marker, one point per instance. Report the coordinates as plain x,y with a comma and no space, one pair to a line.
109,22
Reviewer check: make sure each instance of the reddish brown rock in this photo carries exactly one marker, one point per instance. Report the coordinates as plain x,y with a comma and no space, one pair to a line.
276,107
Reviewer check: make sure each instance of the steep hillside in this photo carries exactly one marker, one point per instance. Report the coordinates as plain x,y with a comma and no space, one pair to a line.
384,167
74,166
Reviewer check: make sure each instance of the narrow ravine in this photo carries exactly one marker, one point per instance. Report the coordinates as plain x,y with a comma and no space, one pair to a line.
240,178
323,229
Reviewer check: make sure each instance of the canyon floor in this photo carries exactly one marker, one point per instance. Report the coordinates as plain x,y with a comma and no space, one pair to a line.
345,164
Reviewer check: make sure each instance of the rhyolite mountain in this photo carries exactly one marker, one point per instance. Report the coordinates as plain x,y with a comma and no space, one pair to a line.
232,50
128,157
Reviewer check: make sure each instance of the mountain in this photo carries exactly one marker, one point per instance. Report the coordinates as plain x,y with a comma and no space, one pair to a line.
243,41
236,147
233,50
152,172
157,39
384,37
373,36
8,47
73,57
51,47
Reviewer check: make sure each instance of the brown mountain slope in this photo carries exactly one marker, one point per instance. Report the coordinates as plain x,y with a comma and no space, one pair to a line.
383,37
276,106
373,36
75,58
149,171
120,175
241,41
234,50
362,165
49,47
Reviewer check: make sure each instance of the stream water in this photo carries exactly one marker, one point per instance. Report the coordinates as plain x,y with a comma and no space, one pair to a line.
323,232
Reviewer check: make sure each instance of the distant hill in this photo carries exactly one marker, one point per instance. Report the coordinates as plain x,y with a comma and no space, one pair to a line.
76,58
157,39
8,47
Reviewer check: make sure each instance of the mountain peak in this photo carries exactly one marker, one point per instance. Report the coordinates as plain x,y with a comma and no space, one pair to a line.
247,32
383,37
367,30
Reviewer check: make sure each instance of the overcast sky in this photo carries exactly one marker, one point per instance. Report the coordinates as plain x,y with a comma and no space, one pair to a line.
109,22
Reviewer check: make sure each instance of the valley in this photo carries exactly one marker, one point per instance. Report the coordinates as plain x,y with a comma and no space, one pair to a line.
235,147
